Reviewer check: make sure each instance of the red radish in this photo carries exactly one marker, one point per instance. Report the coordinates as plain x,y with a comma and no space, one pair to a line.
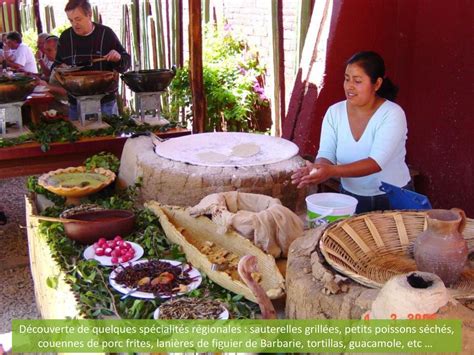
117,249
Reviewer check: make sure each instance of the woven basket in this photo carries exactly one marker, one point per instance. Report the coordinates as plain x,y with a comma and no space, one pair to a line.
373,247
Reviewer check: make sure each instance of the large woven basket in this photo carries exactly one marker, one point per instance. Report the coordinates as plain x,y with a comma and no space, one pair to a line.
373,247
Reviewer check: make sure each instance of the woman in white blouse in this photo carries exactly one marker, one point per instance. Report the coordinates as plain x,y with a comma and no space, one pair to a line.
362,138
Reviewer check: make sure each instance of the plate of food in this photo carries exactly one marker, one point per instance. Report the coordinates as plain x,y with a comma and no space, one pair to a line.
113,252
191,308
151,279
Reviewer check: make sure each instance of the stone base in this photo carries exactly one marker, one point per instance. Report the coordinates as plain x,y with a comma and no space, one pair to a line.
314,291
89,125
176,183
14,132
151,120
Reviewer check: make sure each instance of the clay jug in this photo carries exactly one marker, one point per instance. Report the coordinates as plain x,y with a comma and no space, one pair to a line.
441,249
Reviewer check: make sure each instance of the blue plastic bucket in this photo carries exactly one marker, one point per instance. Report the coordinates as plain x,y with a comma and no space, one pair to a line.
403,199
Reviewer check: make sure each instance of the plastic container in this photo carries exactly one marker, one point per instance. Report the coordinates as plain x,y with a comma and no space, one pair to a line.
402,199
328,207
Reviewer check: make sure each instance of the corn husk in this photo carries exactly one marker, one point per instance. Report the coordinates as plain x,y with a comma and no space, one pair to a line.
176,220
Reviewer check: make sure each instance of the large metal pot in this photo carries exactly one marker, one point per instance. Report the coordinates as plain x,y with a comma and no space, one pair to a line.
85,83
16,88
148,80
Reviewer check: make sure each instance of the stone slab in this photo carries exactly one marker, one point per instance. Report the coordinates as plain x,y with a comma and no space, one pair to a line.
176,183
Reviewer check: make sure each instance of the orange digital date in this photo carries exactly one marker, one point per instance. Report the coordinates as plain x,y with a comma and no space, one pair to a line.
416,316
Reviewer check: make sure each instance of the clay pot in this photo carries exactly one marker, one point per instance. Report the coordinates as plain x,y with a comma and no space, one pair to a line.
406,295
441,248
148,80
16,88
84,83
103,223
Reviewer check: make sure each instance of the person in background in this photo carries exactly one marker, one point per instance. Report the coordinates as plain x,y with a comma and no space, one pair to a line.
42,59
22,59
86,40
362,138
50,49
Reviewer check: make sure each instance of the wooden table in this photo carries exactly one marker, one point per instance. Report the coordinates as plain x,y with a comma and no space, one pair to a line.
28,159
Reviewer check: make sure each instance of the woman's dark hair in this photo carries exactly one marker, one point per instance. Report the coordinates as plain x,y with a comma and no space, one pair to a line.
374,67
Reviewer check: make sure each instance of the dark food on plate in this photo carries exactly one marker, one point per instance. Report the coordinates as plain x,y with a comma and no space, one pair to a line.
158,277
191,308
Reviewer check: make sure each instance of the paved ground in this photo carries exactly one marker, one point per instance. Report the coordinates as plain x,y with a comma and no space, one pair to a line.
16,291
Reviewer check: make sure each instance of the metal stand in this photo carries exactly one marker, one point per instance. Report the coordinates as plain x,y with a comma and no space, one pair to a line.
149,101
11,113
89,106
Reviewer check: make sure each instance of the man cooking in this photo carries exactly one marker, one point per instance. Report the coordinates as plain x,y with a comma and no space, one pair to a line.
85,41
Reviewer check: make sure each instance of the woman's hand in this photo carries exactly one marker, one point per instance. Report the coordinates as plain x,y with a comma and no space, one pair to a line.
312,173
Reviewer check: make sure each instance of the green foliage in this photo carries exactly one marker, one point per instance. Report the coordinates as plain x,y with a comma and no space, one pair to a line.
30,37
104,160
60,29
32,186
89,281
9,142
233,83
47,132
56,131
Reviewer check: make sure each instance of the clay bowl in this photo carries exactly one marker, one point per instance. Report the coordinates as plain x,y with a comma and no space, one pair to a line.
100,224
52,181
85,83
148,80
16,88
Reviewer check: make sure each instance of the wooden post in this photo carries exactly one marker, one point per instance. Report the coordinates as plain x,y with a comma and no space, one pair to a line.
302,25
278,85
197,83
179,34
36,9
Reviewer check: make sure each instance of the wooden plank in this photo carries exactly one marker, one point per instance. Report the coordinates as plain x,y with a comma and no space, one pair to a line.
28,159
197,83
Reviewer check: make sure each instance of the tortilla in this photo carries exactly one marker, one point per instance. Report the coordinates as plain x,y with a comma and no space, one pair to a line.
212,157
245,150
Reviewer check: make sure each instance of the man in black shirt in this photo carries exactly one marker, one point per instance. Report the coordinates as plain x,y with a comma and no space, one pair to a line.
86,40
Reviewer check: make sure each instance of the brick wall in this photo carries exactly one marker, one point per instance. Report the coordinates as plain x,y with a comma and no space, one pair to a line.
252,18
